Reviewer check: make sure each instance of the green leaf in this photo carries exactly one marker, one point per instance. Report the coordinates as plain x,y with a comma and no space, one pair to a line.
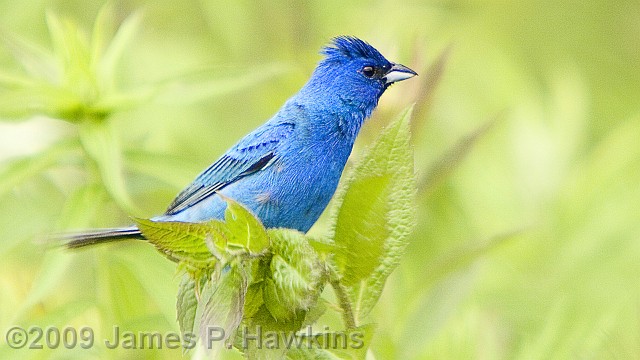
102,31
185,242
71,46
245,230
106,70
296,275
375,214
254,299
220,307
82,207
364,234
126,296
274,303
27,168
187,304
34,59
264,337
348,345
10,80
39,98
77,211
122,100
206,84
103,147
451,159
257,269
323,246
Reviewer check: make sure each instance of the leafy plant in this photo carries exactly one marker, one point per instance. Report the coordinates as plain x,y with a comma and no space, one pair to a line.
78,81
240,278
237,275
561,163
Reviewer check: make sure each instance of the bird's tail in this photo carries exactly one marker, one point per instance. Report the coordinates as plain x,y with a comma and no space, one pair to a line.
100,236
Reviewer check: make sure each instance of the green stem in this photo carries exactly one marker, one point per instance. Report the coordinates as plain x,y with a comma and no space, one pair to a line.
103,148
345,304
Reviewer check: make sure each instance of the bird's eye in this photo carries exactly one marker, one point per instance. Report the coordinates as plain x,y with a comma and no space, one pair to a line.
368,71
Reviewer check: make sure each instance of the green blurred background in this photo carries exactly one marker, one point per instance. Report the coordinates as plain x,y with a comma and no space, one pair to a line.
526,132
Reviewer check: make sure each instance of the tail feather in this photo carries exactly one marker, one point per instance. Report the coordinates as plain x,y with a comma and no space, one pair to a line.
100,236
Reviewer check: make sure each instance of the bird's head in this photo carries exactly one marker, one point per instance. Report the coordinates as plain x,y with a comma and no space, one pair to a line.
355,74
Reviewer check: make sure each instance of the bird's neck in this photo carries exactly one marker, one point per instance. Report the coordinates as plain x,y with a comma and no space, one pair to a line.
329,117
334,107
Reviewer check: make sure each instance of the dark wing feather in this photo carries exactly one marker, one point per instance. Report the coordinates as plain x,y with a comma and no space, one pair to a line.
252,154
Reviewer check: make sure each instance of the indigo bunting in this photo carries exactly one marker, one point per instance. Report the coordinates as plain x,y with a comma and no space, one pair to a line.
286,171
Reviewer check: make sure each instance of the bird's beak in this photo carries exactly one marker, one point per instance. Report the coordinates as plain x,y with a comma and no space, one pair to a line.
398,72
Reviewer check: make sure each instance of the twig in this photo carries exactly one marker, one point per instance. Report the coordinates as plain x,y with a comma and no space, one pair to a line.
343,299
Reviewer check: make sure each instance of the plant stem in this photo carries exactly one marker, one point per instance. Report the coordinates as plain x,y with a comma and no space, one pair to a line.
102,146
343,298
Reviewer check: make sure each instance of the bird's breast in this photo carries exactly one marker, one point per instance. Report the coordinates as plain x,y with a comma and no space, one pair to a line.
297,187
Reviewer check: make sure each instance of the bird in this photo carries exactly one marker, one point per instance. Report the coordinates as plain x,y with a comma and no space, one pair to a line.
286,170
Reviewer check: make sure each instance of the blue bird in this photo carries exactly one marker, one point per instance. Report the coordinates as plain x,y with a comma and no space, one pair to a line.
286,171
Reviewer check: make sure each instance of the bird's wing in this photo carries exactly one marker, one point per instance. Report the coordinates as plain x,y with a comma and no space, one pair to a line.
252,154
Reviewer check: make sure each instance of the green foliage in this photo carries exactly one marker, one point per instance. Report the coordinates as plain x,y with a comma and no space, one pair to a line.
184,242
80,81
187,303
243,229
349,344
75,82
375,216
200,245
220,305
526,240
271,280
295,276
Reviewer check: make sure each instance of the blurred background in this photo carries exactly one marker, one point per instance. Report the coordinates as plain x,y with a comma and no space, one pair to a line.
526,130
